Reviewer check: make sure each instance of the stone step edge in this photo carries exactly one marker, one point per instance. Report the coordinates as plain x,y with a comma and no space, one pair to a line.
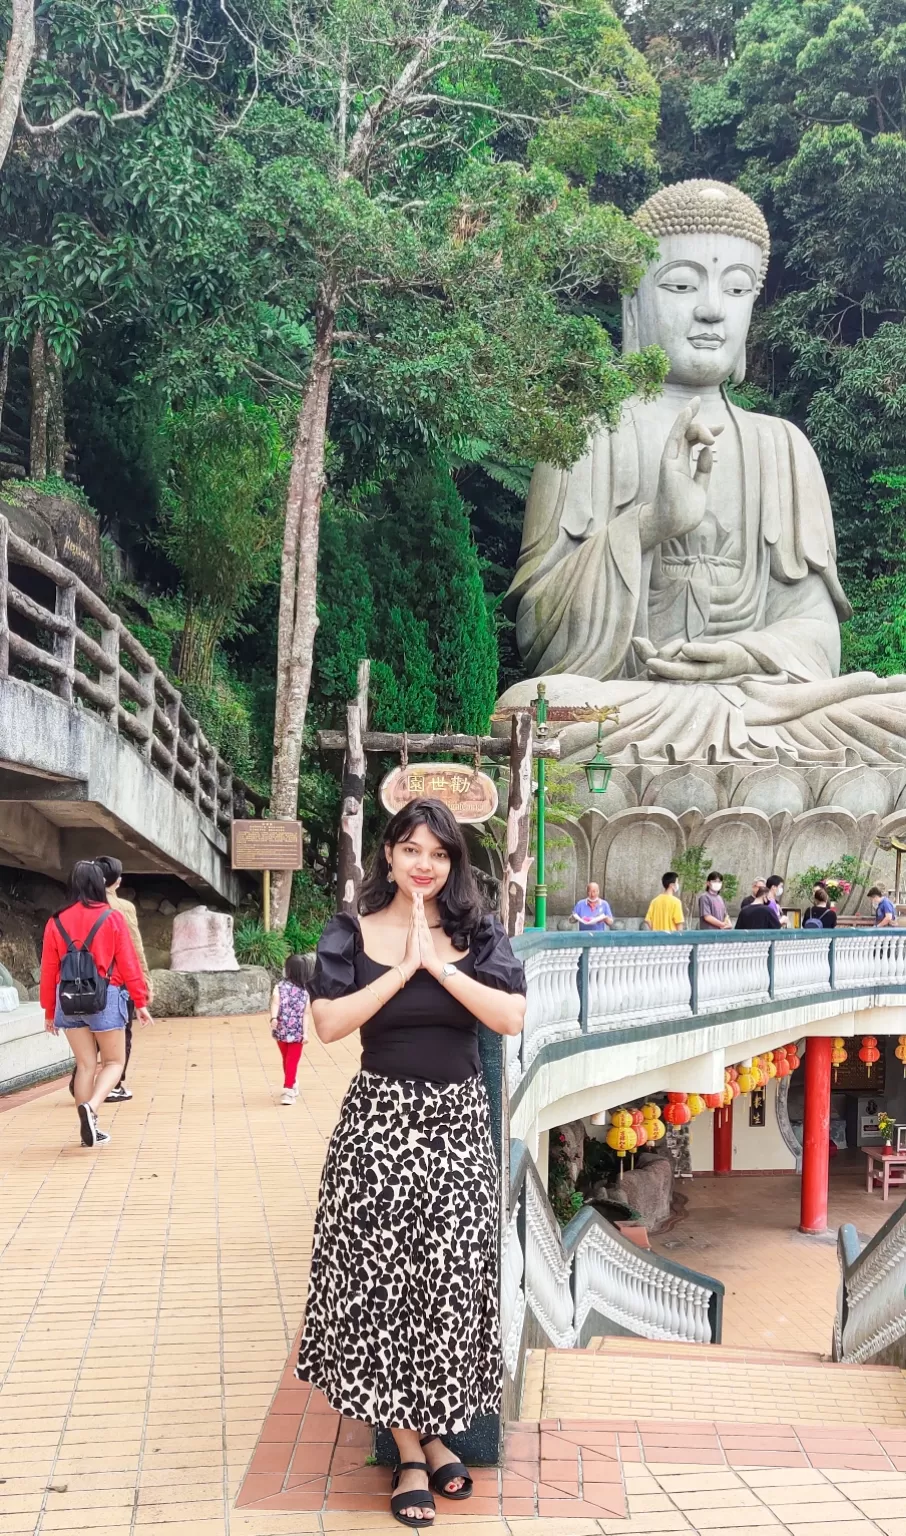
715,1353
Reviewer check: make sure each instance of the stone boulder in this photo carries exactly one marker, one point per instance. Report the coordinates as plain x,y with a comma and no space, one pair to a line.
202,941
207,994
648,1189
59,526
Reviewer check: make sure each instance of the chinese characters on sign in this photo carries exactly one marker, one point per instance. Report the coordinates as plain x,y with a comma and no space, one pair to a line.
469,795
267,845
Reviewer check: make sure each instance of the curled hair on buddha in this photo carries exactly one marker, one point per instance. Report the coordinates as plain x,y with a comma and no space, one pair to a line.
458,902
698,206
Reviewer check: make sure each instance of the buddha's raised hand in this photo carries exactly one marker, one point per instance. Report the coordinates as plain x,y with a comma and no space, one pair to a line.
682,490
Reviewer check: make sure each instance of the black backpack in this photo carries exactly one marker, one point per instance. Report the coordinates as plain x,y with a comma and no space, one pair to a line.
82,987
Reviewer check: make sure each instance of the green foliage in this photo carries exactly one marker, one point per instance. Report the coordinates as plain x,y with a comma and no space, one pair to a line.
310,909
849,869
400,581
255,946
220,529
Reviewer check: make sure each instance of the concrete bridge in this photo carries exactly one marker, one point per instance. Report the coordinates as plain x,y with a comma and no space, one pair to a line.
96,744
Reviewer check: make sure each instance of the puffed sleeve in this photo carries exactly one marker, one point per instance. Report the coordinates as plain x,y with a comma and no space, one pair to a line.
495,963
334,974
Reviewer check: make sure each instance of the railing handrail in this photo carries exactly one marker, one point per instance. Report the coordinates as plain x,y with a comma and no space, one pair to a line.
533,941
165,733
522,1166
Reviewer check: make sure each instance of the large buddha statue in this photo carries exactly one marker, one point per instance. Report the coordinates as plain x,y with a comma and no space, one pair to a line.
684,570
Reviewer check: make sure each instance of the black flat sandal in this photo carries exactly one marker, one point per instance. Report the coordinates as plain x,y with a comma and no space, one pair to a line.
415,1496
447,1472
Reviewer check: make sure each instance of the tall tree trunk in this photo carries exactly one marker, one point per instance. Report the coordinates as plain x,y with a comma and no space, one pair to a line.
299,584
40,407
56,421
15,69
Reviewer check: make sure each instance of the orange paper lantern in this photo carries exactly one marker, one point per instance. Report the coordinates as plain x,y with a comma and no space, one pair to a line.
677,1111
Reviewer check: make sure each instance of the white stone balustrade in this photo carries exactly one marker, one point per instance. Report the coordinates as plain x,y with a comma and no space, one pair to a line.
876,1298
636,981
802,966
552,1011
547,1271
637,1295
625,987
732,970
512,1294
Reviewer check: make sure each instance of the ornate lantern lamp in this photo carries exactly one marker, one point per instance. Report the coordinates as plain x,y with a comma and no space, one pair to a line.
599,770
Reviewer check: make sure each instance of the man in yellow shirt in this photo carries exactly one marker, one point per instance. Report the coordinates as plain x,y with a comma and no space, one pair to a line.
665,914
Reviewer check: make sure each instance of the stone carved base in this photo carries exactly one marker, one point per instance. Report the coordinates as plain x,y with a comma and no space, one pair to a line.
202,941
753,819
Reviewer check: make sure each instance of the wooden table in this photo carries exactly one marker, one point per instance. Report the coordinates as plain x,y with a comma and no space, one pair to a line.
886,1171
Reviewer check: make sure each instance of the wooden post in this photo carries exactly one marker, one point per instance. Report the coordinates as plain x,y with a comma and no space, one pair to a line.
518,825
352,810
64,644
266,898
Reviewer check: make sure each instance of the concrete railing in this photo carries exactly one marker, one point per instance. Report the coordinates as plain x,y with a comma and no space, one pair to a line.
870,1325
602,985
559,1289
82,652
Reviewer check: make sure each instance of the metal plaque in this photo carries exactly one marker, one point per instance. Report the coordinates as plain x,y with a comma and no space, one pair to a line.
267,845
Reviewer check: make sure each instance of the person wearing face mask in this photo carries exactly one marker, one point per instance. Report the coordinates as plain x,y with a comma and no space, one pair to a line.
712,909
775,891
665,913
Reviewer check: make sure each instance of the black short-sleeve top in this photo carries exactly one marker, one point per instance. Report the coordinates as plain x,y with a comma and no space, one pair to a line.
423,1031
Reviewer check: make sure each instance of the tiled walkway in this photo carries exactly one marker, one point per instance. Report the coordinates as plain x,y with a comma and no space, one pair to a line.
149,1298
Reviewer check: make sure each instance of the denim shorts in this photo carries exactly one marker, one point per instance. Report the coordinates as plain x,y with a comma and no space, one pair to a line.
114,1015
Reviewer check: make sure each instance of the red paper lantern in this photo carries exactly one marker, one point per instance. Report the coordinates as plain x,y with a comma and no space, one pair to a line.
869,1052
713,1100
781,1063
641,1134
677,1111
792,1056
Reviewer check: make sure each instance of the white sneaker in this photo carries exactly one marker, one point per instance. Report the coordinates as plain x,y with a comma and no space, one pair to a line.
289,1096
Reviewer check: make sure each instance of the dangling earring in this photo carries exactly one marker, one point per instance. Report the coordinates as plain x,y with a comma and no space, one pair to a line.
391,877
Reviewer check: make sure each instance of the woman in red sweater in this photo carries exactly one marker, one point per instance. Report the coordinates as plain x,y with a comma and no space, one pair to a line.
93,1034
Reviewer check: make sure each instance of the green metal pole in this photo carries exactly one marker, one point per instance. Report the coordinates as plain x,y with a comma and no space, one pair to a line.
540,887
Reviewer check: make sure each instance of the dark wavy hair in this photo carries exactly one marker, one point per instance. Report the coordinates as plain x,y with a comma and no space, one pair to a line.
458,902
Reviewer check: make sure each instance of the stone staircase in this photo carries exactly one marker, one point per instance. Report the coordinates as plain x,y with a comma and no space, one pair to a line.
709,1438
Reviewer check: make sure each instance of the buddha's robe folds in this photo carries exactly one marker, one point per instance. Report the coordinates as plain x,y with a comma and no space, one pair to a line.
761,572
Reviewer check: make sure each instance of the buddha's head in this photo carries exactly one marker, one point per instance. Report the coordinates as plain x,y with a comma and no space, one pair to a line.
695,299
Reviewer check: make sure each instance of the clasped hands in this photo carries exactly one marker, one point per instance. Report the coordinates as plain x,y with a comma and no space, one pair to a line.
420,952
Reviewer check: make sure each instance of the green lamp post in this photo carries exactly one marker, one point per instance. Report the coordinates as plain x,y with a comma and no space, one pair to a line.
540,887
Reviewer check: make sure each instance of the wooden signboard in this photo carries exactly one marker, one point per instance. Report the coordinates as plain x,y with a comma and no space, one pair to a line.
267,845
469,795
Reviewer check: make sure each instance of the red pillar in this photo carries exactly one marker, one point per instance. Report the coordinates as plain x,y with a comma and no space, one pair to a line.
723,1139
816,1135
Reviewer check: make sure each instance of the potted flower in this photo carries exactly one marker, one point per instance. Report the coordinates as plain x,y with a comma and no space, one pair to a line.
887,1126
837,890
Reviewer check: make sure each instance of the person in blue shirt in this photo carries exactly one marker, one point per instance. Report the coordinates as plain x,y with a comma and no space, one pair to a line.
593,915
884,910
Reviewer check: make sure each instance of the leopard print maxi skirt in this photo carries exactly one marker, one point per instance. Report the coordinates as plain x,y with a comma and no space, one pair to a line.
402,1326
